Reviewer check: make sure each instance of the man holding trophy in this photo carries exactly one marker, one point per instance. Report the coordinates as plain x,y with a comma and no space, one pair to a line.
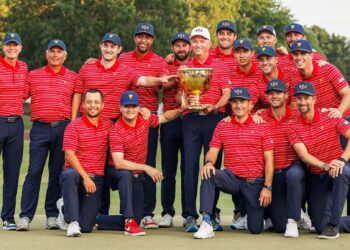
205,81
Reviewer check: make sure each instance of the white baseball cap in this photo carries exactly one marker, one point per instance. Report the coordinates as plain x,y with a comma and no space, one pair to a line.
200,31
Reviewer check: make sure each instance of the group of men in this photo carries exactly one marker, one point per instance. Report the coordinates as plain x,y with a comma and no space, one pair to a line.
100,128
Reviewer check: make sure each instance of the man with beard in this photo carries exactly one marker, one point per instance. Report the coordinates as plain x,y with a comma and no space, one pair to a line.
145,62
171,138
85,148
12,73
198,125
315,138
51,89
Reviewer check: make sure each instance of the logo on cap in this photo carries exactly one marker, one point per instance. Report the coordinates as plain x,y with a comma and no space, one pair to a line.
302,86
274,84
225,24
263,49
144,27
56,41
238,91
12,35
110,35
241,41
292,26
199,30
265,26
130,96
181,35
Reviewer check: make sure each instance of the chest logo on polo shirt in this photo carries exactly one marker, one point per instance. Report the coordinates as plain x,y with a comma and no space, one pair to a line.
341,79
322,128
252,132
64,81
346,122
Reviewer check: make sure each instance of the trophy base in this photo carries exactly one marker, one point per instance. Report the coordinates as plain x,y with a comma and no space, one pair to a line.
196,107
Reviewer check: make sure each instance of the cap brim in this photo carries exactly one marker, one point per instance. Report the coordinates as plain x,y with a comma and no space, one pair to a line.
280,90
61,47
109,40
305,50
265,54
243,47
181,39
234,31
130,103
144,32
305,93
12,40
239,97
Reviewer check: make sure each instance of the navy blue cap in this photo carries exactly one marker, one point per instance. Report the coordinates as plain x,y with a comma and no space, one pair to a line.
294,27
243,43
12,37
304,88
266,51
146,28
112,37
57,43
301,45
278,85
129,98
240,92
267,28
226,24
181,36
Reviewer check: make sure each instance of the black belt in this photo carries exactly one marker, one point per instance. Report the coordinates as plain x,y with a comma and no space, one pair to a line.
253,180
54,123
10,118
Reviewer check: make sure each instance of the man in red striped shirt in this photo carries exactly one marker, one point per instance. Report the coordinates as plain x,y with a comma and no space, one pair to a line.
198,126
145,62
51,89
225,36
128,167
171,138
245,174
12,79
315,138
288,179
85,148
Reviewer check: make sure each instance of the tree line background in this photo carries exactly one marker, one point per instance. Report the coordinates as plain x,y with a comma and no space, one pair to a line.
82,23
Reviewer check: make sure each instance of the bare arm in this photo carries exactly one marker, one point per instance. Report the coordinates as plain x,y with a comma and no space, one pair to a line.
265,194
305,156
121,164
76,101
222,101
169,115
74,162
167,82
210,158
345,101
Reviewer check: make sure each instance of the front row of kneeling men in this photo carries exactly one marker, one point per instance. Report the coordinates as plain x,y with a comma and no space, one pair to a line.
267,160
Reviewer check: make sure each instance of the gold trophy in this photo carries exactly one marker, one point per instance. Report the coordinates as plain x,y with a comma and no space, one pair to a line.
195,81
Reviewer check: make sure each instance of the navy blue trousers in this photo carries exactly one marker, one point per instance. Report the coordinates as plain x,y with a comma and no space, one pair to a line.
149,186
287,195
116,222
229,183
327,198
43,139
197,132
171,141
11,148
79,205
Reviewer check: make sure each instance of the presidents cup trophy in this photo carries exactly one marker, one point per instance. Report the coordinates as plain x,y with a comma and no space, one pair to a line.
195,81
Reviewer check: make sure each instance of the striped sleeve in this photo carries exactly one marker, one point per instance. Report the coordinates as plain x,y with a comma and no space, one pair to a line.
70,140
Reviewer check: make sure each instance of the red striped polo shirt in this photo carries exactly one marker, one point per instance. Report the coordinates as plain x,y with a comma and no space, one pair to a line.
248,81
51,93
283,153
112,82
89,143
229,60
284,75
150,65
328,81
220,80
321,137
132,141
169,101
244,146
12,81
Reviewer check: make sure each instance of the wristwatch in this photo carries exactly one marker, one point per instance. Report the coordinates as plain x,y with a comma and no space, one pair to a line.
268,187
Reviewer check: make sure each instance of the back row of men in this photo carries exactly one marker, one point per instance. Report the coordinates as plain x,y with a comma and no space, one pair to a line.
57,95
